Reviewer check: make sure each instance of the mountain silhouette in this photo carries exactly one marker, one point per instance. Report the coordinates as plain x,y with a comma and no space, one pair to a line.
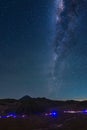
26,97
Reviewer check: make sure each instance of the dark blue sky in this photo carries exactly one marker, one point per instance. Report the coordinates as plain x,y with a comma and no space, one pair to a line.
26,30
27,35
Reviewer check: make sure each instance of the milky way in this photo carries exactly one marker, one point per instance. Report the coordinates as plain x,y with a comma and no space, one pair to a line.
68,16
43,48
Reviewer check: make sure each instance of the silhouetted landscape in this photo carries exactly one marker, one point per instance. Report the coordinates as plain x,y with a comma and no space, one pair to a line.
42,114
29,105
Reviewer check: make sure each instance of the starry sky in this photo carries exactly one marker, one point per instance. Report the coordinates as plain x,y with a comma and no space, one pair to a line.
43,49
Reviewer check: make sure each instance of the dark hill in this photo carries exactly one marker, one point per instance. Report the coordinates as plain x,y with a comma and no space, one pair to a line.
29,105
26,97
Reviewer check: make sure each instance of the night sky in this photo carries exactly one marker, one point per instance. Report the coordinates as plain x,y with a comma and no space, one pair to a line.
43,49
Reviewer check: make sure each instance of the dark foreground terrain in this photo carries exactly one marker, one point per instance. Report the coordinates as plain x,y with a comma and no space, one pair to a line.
36,109
61,122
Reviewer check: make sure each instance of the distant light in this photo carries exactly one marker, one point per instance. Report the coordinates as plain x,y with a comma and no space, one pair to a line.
73,112
54,113
12,115
84,111
23,116
46,114
51,114
7,116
